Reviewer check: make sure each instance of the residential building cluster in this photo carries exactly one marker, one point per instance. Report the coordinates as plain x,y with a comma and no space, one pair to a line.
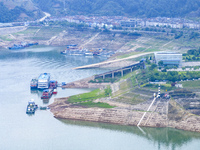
119,21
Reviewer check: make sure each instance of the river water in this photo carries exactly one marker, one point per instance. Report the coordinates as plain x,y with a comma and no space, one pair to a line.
42,131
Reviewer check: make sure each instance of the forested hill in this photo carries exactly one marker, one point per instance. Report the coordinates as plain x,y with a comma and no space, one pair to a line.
17,10
27,9
139,8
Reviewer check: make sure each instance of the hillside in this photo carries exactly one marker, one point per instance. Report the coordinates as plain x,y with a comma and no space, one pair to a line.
142,8
30,9
18,10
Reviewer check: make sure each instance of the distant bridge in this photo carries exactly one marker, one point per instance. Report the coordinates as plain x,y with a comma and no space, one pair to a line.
129,68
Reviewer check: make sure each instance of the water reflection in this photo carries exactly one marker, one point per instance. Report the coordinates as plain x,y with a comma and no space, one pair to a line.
167,137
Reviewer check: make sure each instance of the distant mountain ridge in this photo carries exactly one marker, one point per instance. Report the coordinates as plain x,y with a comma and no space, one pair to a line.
17,10
12,10
139,8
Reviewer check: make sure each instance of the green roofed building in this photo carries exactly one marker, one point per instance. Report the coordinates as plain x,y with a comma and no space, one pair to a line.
169,58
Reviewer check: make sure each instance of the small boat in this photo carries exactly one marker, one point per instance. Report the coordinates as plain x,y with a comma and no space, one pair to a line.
43,108
53,84
54,91
63,84
34,43
34,84
47,93
31,107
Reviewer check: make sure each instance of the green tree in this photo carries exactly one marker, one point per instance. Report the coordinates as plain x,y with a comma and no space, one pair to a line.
153,66
108,91
160,63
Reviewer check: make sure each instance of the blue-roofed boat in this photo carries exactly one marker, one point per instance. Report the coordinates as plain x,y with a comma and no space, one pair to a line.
43,81
22,45
34,84
53,84
15,47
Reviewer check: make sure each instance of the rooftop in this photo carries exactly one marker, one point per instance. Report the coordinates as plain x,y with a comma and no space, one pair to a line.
44,76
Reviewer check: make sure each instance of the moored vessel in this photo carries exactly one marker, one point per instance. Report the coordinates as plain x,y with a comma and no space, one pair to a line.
31,107
34,83
47,93
53,84
43,81
55,91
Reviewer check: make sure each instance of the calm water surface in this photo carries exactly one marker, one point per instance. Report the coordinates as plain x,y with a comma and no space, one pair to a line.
42,131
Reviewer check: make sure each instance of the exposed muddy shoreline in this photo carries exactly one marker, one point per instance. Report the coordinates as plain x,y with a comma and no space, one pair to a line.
122,114
125,114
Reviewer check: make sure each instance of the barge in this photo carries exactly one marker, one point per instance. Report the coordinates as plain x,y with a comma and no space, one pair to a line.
22,45
47,94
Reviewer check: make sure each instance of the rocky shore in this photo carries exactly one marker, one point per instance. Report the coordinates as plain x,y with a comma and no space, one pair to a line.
123,114
163,113
84,83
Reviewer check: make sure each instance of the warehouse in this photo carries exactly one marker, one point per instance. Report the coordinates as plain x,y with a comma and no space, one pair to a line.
169,58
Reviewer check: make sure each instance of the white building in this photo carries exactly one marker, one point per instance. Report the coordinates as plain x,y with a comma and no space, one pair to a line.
169,58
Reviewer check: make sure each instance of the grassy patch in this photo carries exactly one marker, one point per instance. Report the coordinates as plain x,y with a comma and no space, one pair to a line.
128,75
30,30
87,96
163,87
130,98
45,33
191,84
151,50
98,104
95,94
5,38
140,49
127,55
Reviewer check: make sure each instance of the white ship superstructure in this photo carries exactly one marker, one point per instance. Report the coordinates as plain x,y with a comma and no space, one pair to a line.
43,81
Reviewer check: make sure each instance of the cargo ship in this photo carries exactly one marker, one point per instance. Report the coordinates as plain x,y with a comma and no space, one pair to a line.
43,81
22,45
47,93
31,107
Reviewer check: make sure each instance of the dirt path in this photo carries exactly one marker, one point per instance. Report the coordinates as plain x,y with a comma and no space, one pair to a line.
10,30
166,44
46,15
90,40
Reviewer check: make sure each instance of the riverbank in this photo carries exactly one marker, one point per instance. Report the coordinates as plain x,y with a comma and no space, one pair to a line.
124,114
163,113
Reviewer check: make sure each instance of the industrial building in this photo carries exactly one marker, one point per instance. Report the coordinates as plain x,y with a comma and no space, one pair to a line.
169,58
